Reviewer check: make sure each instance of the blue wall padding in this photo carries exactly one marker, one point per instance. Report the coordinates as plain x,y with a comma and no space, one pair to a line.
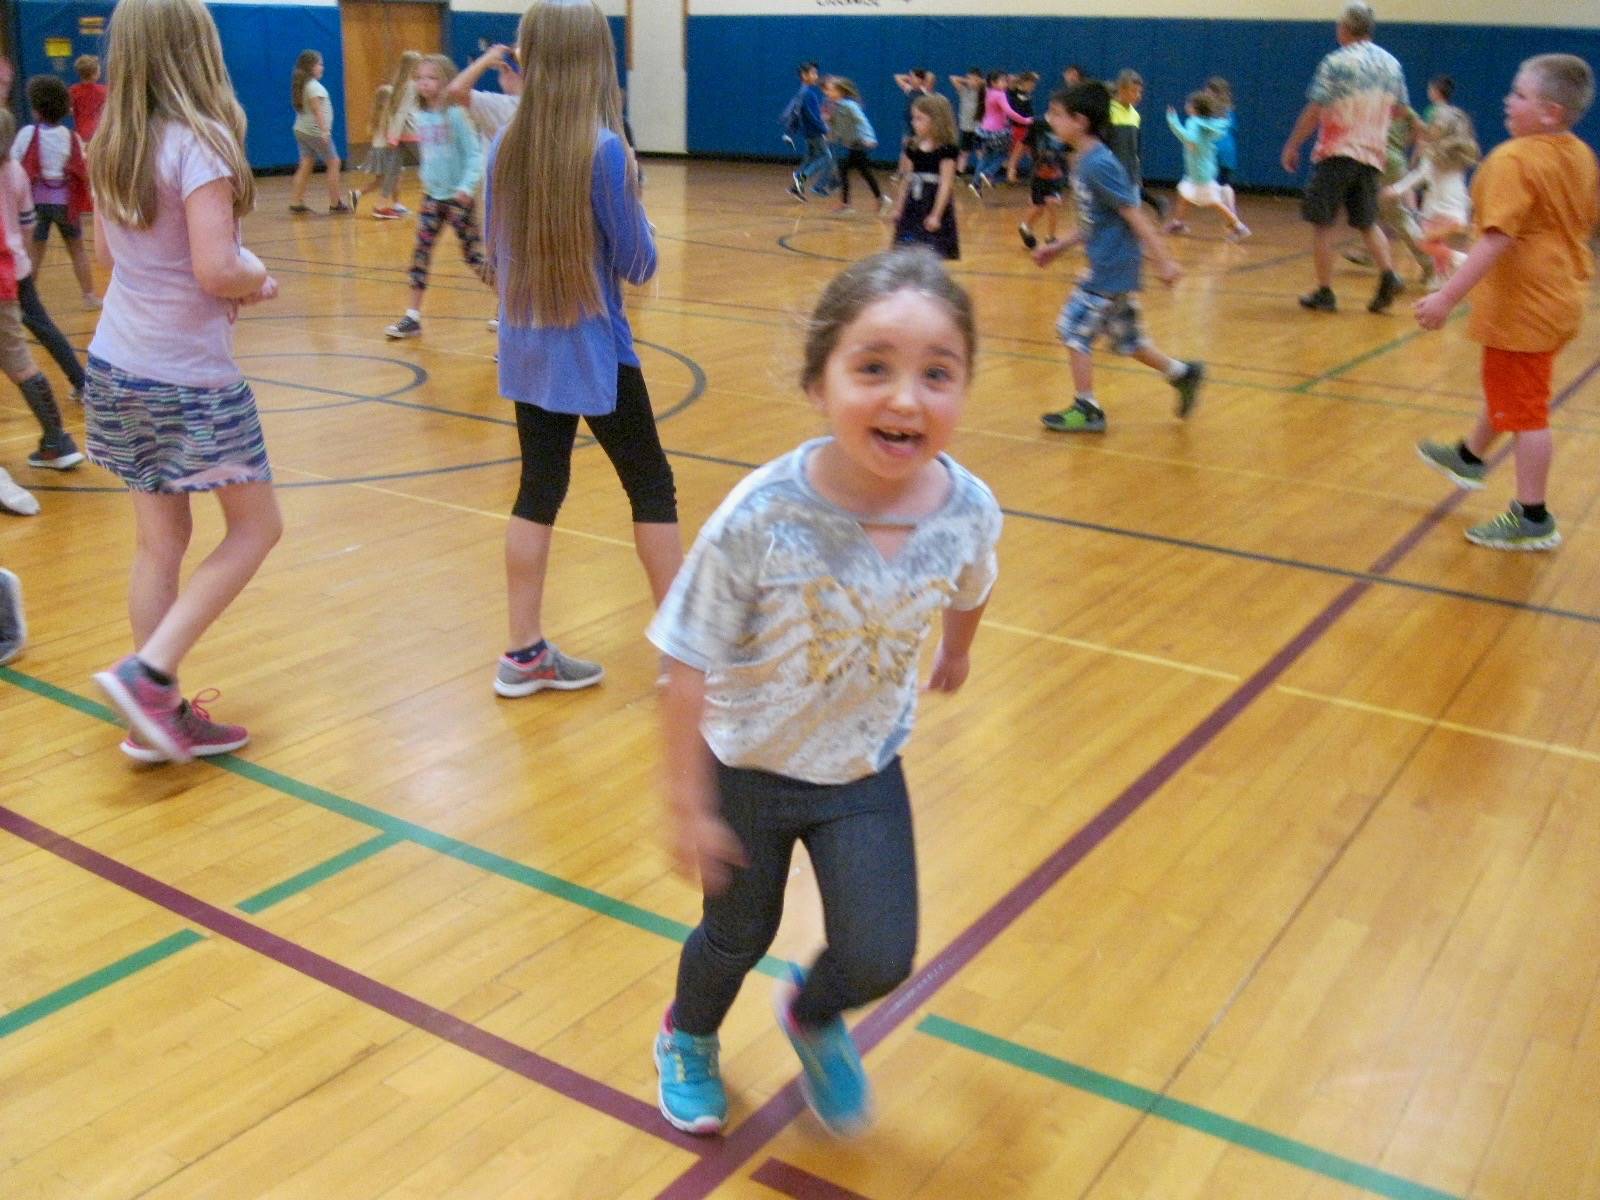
259,44
741,70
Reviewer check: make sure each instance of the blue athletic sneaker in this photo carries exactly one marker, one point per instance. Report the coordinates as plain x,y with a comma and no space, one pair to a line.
834,1082
690,1095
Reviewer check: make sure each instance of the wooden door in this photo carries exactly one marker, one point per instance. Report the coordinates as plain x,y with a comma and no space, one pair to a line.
376,33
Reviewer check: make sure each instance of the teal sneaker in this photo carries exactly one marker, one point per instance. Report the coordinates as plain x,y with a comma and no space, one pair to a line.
1080,418
1447,461
690,1095
1512,530
833,1081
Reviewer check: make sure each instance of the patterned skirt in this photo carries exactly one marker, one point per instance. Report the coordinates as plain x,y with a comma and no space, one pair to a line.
165,437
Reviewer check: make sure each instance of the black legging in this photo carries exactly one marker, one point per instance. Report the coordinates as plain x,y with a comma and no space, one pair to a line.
38,323
857,160
628,436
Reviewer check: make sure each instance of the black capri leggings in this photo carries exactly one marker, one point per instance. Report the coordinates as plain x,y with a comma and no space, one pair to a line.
628,436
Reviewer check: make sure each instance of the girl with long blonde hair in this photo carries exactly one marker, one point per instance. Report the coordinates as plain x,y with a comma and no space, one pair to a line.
452,168
565,227
1449,149
168,411
393,106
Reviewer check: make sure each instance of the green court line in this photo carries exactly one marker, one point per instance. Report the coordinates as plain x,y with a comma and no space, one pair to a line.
311,877
106,976
1368,356
95,981
403,830
1202,1120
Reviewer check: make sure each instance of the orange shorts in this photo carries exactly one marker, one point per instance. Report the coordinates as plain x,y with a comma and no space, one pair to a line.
1516,386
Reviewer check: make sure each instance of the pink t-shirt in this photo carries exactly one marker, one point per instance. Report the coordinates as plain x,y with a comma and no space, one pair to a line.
15,199
157,323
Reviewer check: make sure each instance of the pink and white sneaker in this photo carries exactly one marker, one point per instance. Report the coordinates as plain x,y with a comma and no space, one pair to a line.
152,709
206,737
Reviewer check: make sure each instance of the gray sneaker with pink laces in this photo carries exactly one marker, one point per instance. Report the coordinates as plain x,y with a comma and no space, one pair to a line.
152,709
206,737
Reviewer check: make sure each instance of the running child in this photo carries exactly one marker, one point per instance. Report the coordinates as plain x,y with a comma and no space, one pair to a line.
394,107
803,121
168,411
1115,235
848,125
17,216
1020,96
313,133
52,155
452,166
792,638
1200,135
56,450
1449,151
994,131
1227,144
1050,168
566,227
1536,203
925,212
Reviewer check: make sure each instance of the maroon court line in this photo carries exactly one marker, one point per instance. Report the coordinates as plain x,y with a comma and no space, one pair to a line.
789,1180
769,1120
472,1038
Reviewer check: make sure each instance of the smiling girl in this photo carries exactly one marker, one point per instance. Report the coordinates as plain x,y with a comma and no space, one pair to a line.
792,637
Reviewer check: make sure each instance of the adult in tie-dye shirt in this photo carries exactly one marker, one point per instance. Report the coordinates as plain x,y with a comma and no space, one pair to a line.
1355,92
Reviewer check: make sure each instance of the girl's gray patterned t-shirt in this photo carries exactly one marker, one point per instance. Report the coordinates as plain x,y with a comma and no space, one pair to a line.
808,637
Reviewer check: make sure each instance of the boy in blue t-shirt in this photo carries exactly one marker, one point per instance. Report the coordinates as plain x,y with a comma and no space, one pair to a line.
804,119
1115,235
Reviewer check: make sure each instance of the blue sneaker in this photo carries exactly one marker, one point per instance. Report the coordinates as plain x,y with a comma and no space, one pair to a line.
834,1082
690,1095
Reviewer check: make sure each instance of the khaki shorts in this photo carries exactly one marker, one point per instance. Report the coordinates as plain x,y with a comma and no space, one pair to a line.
16,360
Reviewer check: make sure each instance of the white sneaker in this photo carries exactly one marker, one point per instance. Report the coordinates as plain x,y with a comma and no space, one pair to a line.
494,325
16,498
885,204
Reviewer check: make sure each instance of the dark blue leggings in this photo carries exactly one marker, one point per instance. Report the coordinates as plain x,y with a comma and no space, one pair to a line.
38,322
859,838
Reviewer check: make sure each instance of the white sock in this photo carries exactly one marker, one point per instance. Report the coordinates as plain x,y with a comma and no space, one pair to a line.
1227,197
414,314
1176,371
1088,399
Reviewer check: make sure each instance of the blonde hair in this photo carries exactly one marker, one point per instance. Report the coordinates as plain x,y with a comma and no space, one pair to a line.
447,71
937,108
169,68
8,126
845,87
1452,144
382,103
542,217
404,69
303,66
87,67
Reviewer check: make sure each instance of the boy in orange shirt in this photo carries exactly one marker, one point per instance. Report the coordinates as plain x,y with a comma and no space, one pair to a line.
1536,202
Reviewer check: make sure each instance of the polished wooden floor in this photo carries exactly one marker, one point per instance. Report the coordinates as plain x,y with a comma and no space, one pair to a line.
1259,856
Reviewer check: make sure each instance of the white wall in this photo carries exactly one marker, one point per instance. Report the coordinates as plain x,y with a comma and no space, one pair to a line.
658,84
1583,14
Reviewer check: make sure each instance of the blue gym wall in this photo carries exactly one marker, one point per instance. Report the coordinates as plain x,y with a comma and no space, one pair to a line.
260,43
741,69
